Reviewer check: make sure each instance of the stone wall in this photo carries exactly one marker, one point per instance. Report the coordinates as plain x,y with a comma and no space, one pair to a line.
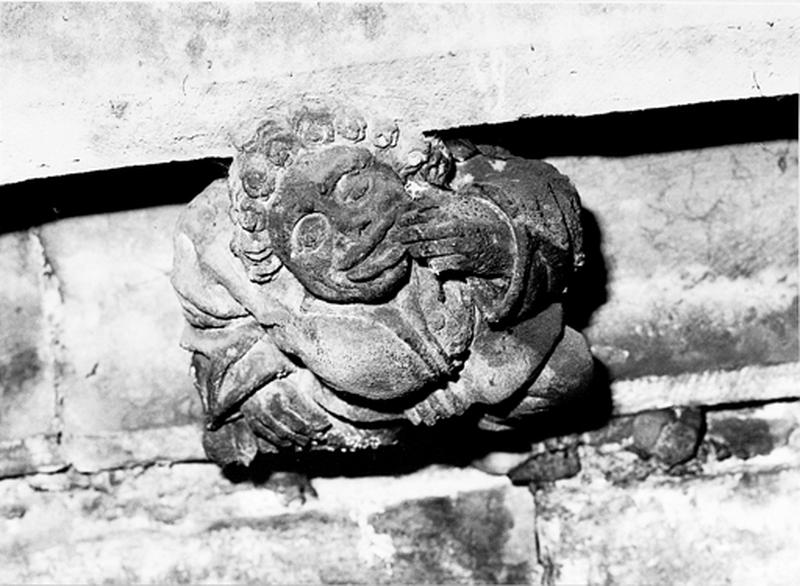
98,86
682,470
697,306
96,392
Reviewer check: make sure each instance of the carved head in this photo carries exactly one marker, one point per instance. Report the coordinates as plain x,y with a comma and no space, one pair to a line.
319,191
331,224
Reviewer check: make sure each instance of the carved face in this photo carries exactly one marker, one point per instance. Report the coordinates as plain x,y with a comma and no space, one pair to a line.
330,223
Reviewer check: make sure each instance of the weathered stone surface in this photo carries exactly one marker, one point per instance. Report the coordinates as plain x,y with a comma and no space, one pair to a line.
29,455
137,84
734,529
119,323
27,375
701,253
547,467
670,435
186,524
480,537
349,278
91,452
751,383
673,442
147,387
746,433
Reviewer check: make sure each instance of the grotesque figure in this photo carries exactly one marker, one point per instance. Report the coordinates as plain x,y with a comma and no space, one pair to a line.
352,281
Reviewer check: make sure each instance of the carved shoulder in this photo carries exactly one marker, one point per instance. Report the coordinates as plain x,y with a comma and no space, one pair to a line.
202,230
545,210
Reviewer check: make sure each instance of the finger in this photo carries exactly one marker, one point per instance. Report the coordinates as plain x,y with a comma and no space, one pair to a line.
266,447
314,417
434,248
285,422
458,403
425,412
438,406
430,231
417,216
424,201
373,267
268,419
282,430
266,433
262,363
450,263
377,233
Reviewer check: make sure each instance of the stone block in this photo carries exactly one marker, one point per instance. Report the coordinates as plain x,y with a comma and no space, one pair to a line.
546,467
748,384
755,431
187,524
134,84
92,319
120,323
479,537
29,455
93,452
733,529
700,251
27,370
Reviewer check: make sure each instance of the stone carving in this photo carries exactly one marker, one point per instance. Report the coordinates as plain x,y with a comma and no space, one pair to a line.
353,281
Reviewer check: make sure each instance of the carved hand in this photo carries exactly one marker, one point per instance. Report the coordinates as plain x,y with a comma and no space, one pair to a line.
458,233
281,415
439,405
262,363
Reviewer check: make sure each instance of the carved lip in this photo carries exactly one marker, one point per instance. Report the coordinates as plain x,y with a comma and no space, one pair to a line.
377,231
383,258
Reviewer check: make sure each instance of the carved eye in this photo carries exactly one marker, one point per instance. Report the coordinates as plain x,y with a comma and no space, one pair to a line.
310,233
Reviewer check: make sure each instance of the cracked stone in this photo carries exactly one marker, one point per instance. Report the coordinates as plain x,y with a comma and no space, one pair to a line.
547,467
27,396
672,436
120,324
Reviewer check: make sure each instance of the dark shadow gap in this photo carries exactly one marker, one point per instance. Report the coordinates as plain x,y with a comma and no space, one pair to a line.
40,201
661,130
588,289
618,134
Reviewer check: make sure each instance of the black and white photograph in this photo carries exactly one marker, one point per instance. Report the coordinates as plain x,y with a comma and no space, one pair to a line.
399,293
